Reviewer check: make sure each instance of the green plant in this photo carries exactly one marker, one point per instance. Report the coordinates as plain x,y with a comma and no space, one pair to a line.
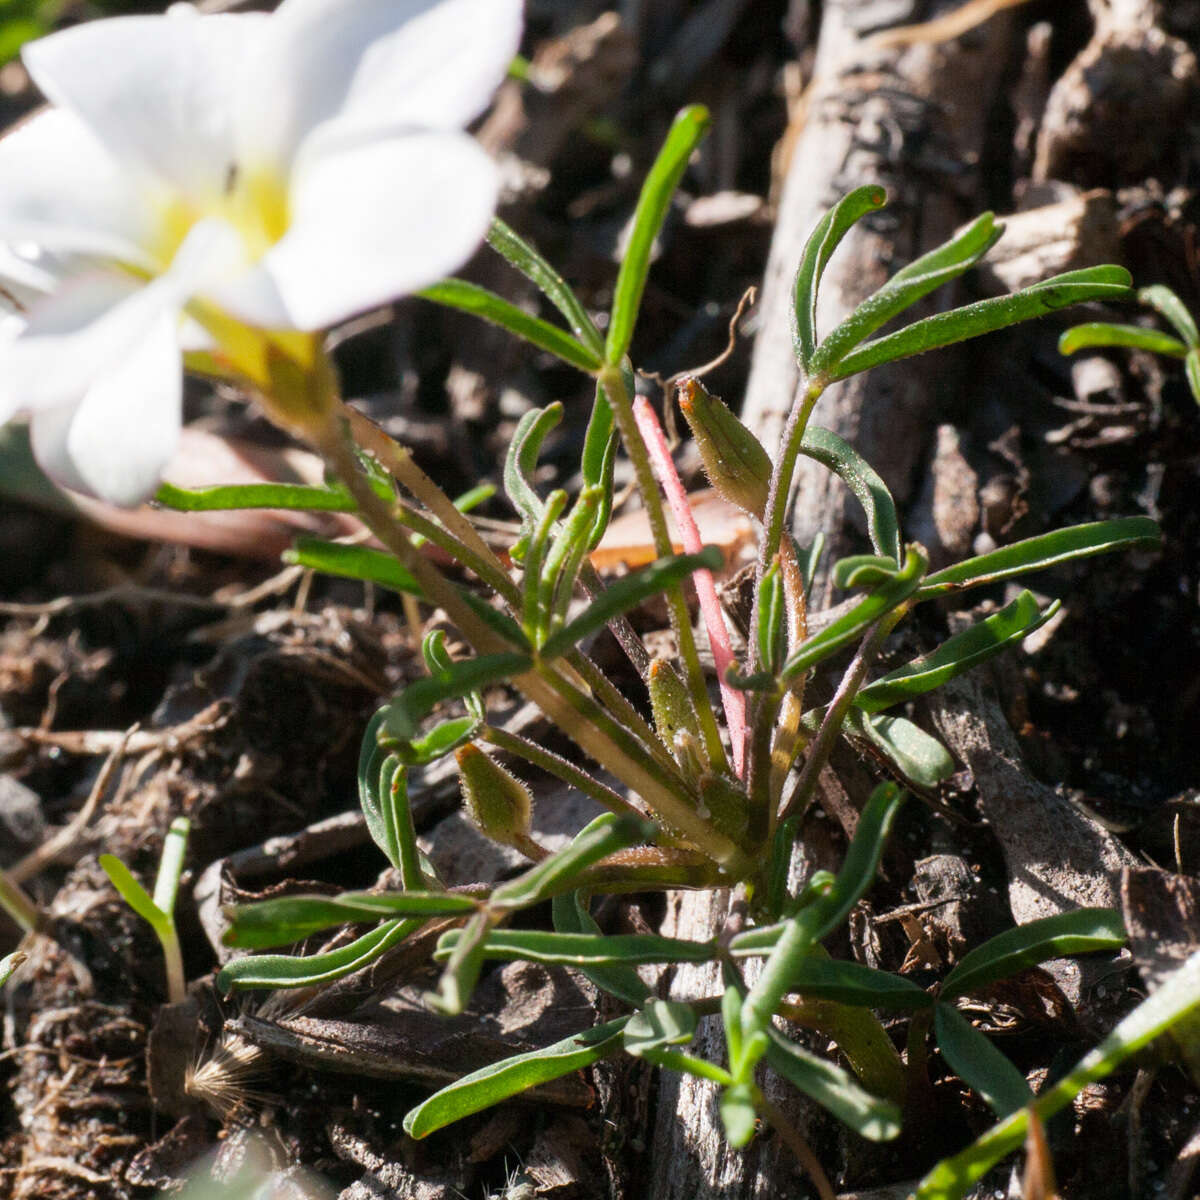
706,813
158,910
1140,337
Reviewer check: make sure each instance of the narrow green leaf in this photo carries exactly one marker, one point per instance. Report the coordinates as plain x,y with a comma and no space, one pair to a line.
852,983
352,562
490,1085
598,461
1174,1000
864,571
294,971
957,654
571,915
581,949
818,250
627,593
739,1117
834,1089
292,496
507,242
463,967
771,634
919,758
1039,553
1164,301
279,922
479,302
605,835
978,1063
1137,337
986,316
826,910
661,1023
1079,932
906,287
133,893
520,464
402,714
689,127
861,617
1191,368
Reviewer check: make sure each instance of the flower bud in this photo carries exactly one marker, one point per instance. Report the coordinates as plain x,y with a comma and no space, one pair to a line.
726,804
498,802
734,460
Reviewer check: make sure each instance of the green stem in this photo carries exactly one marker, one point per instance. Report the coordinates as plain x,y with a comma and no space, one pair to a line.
556,765
613,383
822,744
173,957
781,476
16,902
399,462
580,717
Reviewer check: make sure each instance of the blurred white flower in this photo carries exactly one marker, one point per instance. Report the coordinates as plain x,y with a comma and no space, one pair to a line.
199,174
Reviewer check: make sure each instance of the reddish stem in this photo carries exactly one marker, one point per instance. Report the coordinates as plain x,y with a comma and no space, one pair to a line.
734,701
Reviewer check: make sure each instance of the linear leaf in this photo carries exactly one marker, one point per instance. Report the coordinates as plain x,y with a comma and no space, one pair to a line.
685,134
490,1085
352,562
293,971
1078,932
863,615
836,454
1164,301
292,496
978,1063
402,714
479,302
507,242
852,983
571,915
908,286
605,835
869,1116
818,250
1174,1000
627,593
919,757
582,949
661,1023
957,654
288,919
986,316
1137,337
1041,552
132,892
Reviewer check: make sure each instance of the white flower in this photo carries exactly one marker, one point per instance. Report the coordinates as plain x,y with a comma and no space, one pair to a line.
197,174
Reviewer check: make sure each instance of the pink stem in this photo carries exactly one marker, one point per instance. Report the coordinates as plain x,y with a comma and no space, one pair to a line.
710,607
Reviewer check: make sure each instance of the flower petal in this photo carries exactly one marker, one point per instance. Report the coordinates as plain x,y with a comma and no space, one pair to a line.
96,319
60,189
431,64
116,441
157,91
373,222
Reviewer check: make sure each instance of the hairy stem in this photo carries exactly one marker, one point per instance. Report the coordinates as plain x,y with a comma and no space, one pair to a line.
613,384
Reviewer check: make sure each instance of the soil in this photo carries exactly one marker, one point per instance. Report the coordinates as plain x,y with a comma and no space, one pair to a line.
247,703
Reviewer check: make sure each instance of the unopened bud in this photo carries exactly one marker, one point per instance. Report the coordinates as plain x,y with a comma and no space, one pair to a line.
499,803
727,806
734,459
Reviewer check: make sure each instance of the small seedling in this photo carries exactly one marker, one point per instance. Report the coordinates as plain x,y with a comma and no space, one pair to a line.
158,910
